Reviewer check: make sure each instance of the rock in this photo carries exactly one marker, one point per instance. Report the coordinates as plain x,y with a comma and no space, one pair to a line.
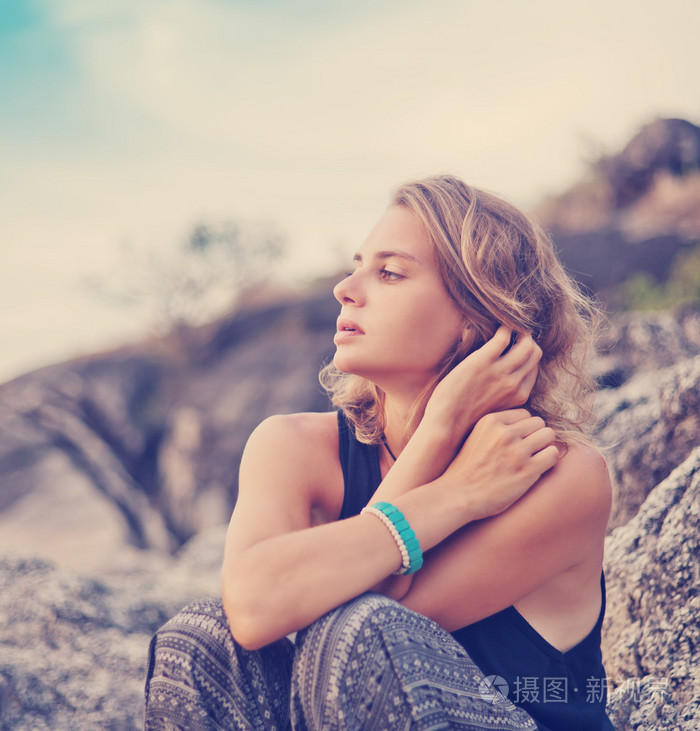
52,432
634,212
648,426
63,518
652,627
73,650
602,259
635,342
170,583
141,446
648,705
664,145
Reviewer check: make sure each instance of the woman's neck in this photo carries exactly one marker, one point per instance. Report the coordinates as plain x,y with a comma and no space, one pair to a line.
398,413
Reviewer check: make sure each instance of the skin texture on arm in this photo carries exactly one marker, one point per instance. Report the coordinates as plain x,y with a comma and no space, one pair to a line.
290,493
287,560
486,380
282,569
493,563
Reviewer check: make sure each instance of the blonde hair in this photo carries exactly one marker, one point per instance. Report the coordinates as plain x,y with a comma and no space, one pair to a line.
499,267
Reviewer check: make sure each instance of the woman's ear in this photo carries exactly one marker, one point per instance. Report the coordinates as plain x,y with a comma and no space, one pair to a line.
467,334
469,339
472,336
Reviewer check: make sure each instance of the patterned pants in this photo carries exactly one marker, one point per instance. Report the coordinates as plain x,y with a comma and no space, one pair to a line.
370,664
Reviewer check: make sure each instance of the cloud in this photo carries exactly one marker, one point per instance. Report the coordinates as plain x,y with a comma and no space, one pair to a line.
394,86
165,112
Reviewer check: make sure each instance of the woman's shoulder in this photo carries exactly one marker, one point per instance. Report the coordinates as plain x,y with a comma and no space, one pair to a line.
581,478
306,440
300,428
585,460
295,457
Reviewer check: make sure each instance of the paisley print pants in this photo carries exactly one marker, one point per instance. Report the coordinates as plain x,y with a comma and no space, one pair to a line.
371,664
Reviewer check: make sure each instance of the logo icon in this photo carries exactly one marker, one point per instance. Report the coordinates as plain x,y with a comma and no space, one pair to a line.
494,689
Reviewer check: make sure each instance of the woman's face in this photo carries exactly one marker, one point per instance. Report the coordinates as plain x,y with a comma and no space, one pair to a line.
397,321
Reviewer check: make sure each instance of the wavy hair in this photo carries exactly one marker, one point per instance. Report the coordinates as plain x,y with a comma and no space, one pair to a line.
499,267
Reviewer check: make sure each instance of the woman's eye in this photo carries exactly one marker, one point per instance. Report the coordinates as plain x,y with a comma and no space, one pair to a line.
391,276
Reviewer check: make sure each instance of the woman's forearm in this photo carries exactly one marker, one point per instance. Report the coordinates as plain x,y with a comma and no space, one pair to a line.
426,456
286,582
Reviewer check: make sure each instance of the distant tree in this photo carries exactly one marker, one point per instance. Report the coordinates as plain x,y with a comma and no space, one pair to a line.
201,279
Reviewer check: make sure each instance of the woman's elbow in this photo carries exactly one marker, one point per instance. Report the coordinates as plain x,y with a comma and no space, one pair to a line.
245,619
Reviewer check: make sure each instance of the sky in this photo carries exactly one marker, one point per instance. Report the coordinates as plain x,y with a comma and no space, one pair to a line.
123,123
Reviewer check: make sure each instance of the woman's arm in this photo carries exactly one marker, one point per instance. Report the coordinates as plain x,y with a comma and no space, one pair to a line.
491,564
485,381
281,571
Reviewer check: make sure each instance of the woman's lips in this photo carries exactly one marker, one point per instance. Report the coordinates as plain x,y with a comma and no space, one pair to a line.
347,329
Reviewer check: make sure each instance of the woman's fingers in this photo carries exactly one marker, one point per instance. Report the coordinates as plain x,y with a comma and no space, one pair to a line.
531,431
545,459
493,348
538,439
528,425
503,457
524,354
523,369
508,416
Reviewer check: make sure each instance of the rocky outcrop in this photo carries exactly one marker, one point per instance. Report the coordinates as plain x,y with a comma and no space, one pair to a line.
139,449
662,146
634,212
648,427
67,491
73,650
652,626
632,343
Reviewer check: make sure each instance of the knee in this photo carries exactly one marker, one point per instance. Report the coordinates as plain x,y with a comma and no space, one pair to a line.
187,640
344,625
342,660
370,624
333,641
201,621
371,615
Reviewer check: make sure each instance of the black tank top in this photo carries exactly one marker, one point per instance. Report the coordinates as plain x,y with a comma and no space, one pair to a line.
562,691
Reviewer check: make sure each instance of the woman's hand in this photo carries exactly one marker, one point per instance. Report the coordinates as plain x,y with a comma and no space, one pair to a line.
486,380
505,455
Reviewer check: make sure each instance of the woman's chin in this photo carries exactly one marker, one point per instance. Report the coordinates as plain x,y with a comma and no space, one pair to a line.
346,363
343,363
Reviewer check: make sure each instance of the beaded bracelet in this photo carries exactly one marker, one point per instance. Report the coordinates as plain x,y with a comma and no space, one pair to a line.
403,535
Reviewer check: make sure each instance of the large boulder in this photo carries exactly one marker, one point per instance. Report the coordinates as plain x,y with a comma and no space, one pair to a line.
664,145
633,213
651,632
648,427
110,455
636,342
73,650
68,447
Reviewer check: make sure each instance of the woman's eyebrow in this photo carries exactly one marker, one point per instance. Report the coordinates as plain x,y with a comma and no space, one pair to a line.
388,254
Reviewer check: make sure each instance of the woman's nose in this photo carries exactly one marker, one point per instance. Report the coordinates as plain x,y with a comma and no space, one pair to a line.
347,290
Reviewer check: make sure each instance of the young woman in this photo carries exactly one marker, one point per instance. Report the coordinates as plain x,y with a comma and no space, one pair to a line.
437,543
